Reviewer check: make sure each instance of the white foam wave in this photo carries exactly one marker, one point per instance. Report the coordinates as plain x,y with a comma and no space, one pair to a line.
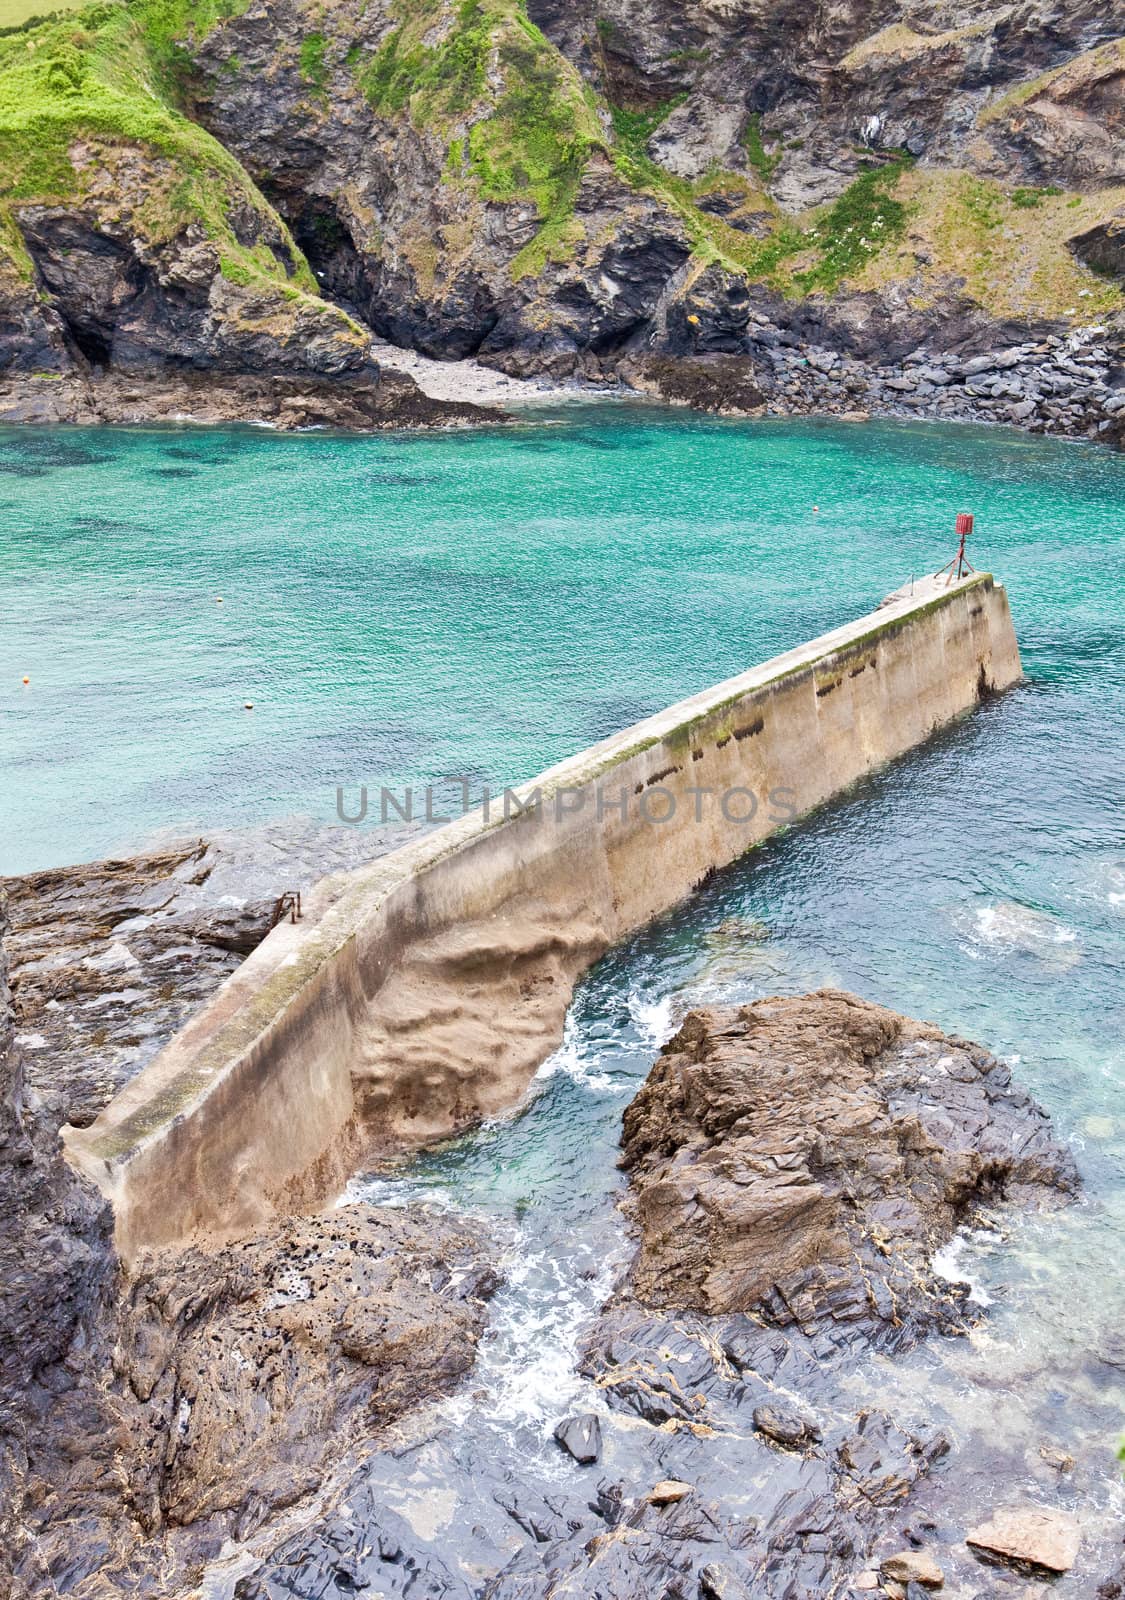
947,1264
1007,925
654,1020
580,1061
528,1359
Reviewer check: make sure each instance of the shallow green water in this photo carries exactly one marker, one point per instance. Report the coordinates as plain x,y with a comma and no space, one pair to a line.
404,609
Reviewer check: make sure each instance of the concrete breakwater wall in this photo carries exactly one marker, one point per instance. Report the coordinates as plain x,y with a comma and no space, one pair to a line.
421,992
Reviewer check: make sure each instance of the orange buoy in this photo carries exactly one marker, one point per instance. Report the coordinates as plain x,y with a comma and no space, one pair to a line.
26,679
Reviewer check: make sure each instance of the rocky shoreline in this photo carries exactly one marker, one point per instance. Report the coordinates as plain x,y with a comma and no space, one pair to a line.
383,399
1070,385
795,1166
725,1456
145,1422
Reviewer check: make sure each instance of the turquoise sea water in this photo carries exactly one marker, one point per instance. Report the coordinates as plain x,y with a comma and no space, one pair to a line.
404,609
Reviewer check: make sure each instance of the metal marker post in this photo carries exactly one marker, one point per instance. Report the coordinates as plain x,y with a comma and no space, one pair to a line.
960,565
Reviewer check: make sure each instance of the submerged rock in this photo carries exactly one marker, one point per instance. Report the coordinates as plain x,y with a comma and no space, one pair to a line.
913,1566
804,1158
786,1426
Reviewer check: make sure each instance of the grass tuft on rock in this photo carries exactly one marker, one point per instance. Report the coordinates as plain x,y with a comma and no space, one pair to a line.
633,129
518,120
110,74
764,163
831,246
863,221
314,68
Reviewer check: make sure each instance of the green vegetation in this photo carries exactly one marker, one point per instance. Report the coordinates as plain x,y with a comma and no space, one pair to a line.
169,25
313,67
763,164
1029,199
836,243
536,139
863,221
1015,258
15,15
109,73
633,129
438,81
983,204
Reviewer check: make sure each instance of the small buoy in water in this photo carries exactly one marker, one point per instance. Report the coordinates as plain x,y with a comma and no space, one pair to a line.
249,705
816,508
26,679
218,599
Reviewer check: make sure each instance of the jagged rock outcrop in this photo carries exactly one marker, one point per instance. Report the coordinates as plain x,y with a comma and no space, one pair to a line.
143,1421
227,1382
107,959
55,1266
827,81
805,1158
793,1166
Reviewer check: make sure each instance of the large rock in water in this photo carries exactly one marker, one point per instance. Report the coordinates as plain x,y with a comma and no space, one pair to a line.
805,1158
794,1164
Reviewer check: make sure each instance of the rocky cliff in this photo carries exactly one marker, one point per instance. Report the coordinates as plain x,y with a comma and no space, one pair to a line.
233,190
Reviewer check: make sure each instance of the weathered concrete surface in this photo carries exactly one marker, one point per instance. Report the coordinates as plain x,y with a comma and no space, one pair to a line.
420,993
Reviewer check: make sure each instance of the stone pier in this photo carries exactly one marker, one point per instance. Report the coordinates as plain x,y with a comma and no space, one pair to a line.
420,993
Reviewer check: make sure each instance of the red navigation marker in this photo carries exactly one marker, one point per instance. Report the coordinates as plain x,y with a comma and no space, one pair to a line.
960,565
